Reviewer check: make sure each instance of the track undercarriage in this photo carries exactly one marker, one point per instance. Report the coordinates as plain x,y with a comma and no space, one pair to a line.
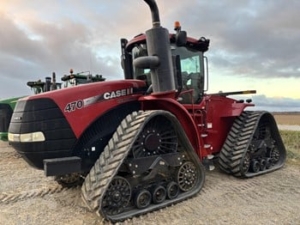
148,164
253,146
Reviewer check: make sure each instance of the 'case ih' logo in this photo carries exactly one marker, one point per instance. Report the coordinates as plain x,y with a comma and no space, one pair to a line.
118,93
72,106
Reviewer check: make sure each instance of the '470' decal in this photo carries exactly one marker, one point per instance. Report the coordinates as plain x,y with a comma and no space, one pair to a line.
72,106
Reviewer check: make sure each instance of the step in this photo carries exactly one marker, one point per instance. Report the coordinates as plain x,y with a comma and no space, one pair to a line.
210,156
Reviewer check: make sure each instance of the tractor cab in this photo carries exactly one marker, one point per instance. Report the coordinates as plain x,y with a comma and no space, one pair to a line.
188,61
80,78
44,86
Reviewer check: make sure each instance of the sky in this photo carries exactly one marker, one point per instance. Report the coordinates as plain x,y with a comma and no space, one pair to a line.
254,44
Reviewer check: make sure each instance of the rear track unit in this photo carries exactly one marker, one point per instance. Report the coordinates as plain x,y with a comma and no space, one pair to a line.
253,146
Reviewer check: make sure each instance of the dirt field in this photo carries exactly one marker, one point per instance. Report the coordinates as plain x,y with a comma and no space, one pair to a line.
27,197
287,118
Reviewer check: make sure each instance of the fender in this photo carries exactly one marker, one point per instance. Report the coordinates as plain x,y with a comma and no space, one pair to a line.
153,103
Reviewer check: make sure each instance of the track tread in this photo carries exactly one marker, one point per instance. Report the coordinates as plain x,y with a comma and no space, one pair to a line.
236,145
111,159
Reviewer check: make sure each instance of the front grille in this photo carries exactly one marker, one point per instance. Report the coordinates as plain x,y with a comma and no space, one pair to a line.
42,115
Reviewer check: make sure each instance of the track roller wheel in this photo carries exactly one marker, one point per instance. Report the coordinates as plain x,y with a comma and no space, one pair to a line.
172,190
159,194
268,163
275,155
187,176
117,196
142,199
255,166
263,164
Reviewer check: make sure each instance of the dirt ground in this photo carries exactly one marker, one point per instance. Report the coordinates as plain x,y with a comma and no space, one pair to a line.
287,118
28,197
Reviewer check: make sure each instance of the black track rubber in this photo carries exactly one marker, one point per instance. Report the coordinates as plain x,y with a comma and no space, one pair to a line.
236,147
115,153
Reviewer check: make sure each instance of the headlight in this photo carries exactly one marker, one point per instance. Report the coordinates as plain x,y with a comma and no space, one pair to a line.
29,137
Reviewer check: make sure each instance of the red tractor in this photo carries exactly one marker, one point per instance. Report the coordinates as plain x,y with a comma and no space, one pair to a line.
143,143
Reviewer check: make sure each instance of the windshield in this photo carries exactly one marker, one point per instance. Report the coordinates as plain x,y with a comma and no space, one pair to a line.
42,87
75,81
37,89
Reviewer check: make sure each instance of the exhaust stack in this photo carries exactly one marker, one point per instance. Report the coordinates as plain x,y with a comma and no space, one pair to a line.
54,86
159,59
47,84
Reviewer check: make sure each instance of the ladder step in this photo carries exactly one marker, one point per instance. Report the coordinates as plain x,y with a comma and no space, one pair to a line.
207,146
210,156
204,135
211,167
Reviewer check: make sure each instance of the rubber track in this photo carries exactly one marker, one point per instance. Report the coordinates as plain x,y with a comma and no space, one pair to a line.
236,143
109,162
239,138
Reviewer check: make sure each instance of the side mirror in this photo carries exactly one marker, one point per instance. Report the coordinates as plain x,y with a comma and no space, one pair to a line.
178,80
181,38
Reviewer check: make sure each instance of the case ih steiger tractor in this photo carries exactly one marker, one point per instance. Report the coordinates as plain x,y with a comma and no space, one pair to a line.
143,143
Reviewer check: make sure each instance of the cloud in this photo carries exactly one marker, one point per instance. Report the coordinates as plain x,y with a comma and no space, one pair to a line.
252,38
34,52
276,104
255,39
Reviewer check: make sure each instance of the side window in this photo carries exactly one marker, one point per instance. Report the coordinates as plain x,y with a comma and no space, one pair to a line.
191,63
37,90
81,81
191,68
141,74
70,83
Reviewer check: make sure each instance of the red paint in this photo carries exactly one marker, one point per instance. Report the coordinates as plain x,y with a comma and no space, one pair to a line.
80,119
205,124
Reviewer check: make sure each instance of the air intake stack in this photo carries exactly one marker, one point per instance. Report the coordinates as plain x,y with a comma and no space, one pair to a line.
159,59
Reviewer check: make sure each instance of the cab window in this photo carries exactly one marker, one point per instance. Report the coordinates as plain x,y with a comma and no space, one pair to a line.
191,69
192,72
